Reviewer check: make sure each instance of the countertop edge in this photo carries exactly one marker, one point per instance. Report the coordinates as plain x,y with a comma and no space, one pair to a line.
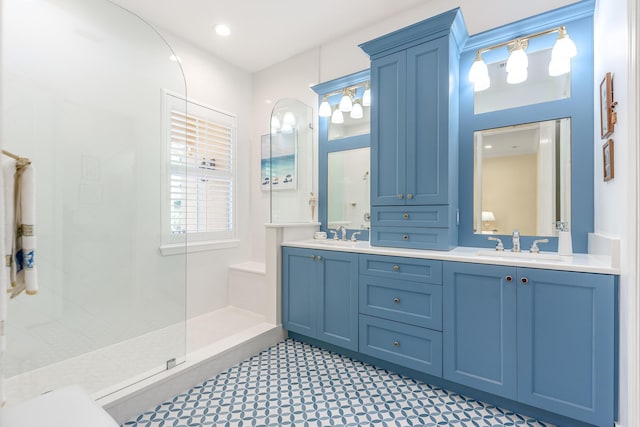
585,263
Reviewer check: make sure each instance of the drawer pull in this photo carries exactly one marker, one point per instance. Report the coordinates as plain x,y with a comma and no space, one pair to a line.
313,257
396,268
396,300
319,258
405,237
400,196
396,344
508,278
409,196
524,280
405,216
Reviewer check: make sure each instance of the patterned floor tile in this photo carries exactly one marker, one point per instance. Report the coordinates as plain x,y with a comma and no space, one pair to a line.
295,384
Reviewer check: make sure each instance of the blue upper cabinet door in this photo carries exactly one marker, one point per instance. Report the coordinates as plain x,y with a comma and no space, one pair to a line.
566,343
299,290
427,123
338,298
479,327
388,129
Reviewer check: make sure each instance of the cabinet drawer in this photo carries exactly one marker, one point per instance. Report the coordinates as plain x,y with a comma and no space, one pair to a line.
411,346
414,269
413,238
410,216
415,303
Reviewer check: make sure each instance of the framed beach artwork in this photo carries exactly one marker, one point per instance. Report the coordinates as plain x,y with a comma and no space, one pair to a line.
278,163
607,105
608,171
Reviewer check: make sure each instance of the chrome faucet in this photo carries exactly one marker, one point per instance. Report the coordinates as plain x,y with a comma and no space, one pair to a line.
516,241
342,231
354,236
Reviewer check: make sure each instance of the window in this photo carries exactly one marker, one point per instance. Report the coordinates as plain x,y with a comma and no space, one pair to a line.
200,170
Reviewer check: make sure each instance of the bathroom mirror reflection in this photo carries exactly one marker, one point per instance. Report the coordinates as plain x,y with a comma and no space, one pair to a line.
522,178
348,189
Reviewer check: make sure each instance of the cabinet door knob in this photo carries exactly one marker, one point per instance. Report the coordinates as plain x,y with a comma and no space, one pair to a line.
508,278
396,268
409,196
405,216
405,237
312,257
400,196
319,258
524,280
396,300
396,344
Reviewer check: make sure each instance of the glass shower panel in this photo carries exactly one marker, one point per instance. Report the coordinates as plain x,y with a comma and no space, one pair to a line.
289,164
82,98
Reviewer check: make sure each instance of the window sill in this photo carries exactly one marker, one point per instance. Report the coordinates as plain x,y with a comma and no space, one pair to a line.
190,247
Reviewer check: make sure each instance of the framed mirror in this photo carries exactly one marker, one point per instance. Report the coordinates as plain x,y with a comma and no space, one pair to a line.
348,187
522,178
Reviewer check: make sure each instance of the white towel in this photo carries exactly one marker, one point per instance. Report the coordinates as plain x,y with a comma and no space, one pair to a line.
24,273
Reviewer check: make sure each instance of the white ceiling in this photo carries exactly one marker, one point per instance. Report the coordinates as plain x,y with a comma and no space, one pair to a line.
264,32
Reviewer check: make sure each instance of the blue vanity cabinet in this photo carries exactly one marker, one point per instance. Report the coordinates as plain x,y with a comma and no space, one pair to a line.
480,327
320,295
414,154
541,337
401,311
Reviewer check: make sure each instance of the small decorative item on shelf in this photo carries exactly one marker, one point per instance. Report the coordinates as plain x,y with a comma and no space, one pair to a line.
607,161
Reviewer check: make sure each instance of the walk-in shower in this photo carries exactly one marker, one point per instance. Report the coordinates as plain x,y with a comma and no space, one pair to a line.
82,97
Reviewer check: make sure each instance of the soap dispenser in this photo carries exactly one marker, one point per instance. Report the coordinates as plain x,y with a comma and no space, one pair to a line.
565,246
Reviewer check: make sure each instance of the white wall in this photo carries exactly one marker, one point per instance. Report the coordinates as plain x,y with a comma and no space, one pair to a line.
227,88
615,209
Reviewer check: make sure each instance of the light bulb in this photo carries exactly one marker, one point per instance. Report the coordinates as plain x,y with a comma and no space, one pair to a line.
564,48
325,108
337,117
481,84
356,111
287,128
289,119
366,96
518,60
345,103
275,124
517,75
558,67
479,70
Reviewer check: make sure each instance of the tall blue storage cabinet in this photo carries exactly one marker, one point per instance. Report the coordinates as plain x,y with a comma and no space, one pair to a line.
414,134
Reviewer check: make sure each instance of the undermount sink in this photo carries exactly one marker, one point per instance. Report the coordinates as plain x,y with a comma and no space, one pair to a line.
542,256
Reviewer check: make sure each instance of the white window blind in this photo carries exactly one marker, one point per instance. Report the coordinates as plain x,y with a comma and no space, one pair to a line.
201,155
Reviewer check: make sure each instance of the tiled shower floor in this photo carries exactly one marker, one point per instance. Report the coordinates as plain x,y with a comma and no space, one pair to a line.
294,384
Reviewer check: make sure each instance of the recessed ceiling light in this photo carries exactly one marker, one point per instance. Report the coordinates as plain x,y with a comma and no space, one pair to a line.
222,30
488,147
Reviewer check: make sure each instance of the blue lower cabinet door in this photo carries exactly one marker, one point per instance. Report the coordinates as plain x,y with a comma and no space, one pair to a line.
337,300
566,343
479,327
411,346
299,284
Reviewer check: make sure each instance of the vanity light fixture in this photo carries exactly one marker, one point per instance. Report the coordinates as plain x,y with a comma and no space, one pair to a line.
348,102
337,117
325,108
357,111
345,103
563,50
366,96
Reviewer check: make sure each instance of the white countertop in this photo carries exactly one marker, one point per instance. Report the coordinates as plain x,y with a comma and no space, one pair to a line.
586,263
